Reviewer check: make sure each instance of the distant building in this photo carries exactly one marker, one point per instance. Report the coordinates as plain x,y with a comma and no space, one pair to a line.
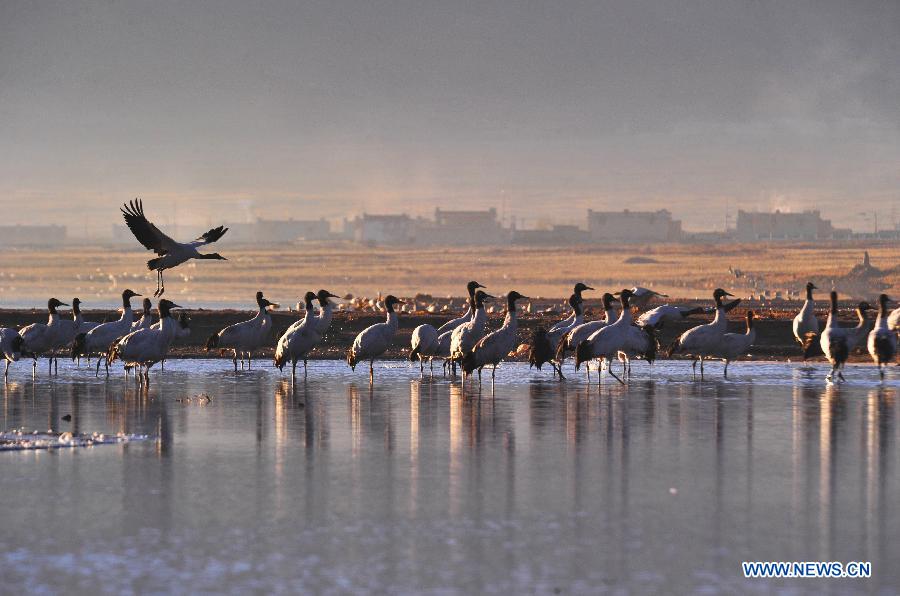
557,235
807,225
633,226
464,227
382,229
33,235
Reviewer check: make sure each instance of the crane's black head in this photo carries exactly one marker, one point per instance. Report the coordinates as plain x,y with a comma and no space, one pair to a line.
262,302
53,303
513,296
608,299
834,301
76,305
864,306
580,287
323,297
129,294
148,306
883,301
719,293
810,286
472,286
391,301
214,256
165,306
575,300
750,316
624,296
308,300
480,297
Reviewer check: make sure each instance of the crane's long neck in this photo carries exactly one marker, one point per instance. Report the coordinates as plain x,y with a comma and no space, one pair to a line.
832,313
861,314
809,296
510,320
881,321
327,312
479,317
393,320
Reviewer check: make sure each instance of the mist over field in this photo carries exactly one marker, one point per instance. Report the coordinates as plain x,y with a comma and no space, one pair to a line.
218,110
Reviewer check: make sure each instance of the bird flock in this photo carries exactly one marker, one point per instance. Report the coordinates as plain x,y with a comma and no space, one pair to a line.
463,343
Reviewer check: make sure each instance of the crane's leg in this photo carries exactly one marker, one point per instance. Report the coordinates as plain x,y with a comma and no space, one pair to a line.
6,372
479,376
249,358
493,372
106,364
158,278
421,365
97,372
234,360
612,374
726,369
694,367
162,290
701,367
293,370
371,371
304,367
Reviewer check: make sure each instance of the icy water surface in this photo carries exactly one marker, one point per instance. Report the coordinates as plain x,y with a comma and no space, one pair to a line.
415,485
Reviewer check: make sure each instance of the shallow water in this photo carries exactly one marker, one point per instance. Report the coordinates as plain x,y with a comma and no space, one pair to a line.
417,485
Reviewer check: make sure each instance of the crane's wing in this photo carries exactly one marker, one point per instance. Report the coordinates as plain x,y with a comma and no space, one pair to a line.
210,236
146,233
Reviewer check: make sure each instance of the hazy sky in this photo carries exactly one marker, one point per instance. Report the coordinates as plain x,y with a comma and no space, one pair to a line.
239,107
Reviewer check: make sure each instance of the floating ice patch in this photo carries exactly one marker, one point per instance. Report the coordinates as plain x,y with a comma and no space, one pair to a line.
18,440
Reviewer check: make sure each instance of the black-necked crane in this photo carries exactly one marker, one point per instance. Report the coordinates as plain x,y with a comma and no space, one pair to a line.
703,340
496,345
833,341
581,332
641,297
245,337
452,324
464,337
98,340
882,341
47,338
668,314
544,343
171,253
806,322
146,316
622,335
326,310
374,340
10,347
428,342
145,347
567,322
299,340
734,345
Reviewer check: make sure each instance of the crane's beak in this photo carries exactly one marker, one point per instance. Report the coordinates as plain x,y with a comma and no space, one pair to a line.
64,304
729,294
176,306
488,295
588,288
